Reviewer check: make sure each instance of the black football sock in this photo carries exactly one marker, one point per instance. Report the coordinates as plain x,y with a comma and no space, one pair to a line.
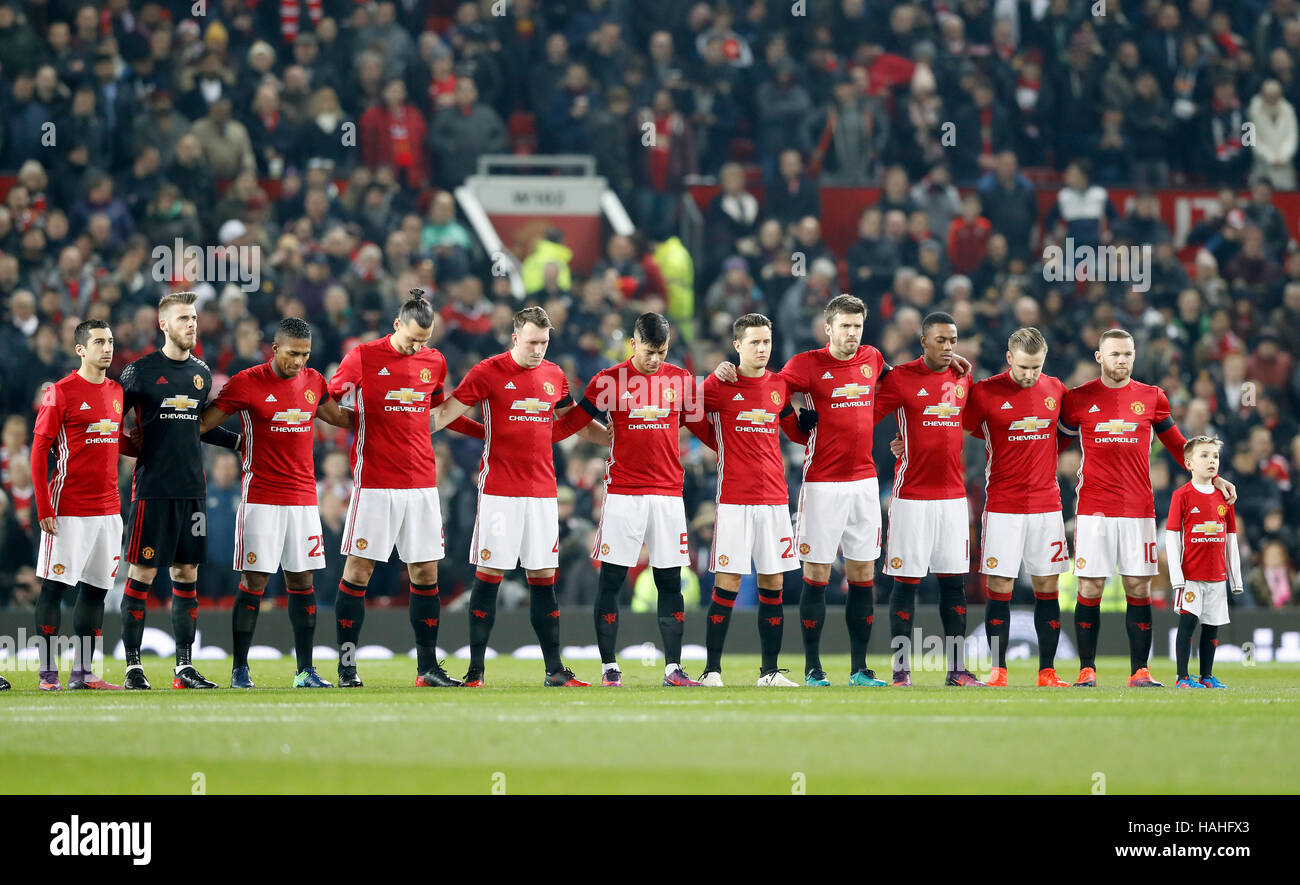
185,619
243,621
1183,642
672,612
133,602
715,630
952,611
49,616
902,610
812,617
1087,625
611,582
859,612
88,621
482,615
771,626
302,618
1209,642
1137,618
1047,624
545,615
997,626
425,608
349,615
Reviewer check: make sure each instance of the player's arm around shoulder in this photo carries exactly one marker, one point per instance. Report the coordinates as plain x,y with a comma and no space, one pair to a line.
331,413
446,412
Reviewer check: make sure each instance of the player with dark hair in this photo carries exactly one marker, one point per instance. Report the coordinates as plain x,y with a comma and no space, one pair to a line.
79,511
278,522
753,508
647,399
1115,418
390,385
166,390
929,518
521,395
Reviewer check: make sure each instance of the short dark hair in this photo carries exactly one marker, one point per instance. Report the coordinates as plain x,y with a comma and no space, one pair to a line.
81,336
651,329
935,319
535,315
844,304
291,328
176,298
749,321
417,310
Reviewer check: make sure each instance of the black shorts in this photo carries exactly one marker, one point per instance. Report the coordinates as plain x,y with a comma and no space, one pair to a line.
167,531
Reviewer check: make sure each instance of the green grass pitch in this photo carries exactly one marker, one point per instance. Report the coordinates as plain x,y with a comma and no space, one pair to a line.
517,737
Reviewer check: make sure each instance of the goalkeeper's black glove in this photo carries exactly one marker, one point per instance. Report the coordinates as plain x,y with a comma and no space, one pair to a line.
807,420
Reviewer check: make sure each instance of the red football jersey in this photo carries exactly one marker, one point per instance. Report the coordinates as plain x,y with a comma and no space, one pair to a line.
746,421
518,413
843,393
1116,430
391,394
1204,519
276,416
645,412
1018,426
85,421
928,406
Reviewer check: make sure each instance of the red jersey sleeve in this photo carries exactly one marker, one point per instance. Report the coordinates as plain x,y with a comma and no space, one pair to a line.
1175,523
887,398
1068,419
49,420
1232,518
474,387
233,395
347,378
795,374
712,394
973,415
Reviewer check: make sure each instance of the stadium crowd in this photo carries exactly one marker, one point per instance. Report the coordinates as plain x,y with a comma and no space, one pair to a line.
328,134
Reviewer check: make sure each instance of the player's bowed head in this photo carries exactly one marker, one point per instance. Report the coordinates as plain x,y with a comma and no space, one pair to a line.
413,326
1026,353
938,340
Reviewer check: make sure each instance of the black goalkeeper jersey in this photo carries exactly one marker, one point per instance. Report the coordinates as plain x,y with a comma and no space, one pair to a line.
168,397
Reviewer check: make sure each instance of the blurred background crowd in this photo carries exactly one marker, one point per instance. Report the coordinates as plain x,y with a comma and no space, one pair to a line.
329,134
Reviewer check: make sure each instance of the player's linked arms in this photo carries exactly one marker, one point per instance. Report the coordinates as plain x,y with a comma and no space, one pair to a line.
330,412
446,412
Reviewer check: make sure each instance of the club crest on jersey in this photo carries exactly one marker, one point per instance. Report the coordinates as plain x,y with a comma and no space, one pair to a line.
532,405
604,550
362,543
943,410
426,376
252,558
649,413
776,398
866,371
1050,402
1223,510
669,394
59,568
198,382
1137,407
180,401
310,396
1189,596
960,391
1207,528
292,416
896,562
1115,426
724,560
1080,562
1030,424
549,388
117,406
851,391
147,553
991,562
405,396
485,554
804,549
756,416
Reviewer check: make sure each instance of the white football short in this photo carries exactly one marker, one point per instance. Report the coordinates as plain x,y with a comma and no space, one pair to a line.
838,515
628,521
928,536
1036,539
269,536
516,531
87,548
1104,545
379,518
761,532
1208,600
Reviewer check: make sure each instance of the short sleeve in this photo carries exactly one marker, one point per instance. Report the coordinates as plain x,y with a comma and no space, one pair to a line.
49,420
1161,419
347,378
232,397
712,394
1232,519
474,387
1175,521
973,415
795,374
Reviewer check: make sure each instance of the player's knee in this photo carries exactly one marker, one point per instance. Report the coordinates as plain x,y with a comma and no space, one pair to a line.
297,581
255,582
859,572
185,573
358,570
817,571
143,574
423,572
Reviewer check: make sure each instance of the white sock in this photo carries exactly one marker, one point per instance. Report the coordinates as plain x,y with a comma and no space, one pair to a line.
671,668
607,666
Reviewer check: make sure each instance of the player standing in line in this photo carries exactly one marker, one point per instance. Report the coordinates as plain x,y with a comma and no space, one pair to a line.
929,518
390,385
168,521
279,521
753,509
79,512
521,394
647,399
1015,413
1115,419
1204,559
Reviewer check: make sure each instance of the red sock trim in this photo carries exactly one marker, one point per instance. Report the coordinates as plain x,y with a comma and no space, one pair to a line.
184,594
294,592
136,589
954,575
1090,603
424,589
902,580
1138,600
487,578
1046,594
769,600
870,583
243,589
352,590
813,583
722,601
542,582
1000,597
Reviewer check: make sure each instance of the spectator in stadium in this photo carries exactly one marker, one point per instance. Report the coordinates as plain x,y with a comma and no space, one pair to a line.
1084,209
1010,204
731,219
846,138
393,134
937,197
463,133
782,104
226,147
1229,158
733,293
968,236
660,169
1261,211
564,126
801,305
1273,583
792,195
1276,136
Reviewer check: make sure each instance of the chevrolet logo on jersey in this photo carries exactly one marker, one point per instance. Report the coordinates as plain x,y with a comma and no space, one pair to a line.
292,416
851,391
1115,426
1208,528
1029,425
532,405
756,416
180,401
649,413
405,396
103,427
943,410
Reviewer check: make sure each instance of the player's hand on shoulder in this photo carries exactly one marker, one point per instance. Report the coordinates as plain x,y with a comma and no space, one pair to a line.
961,365
896,445
807,419
1229,490
725,372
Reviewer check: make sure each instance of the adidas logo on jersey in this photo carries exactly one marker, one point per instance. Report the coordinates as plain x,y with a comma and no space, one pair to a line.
270,398
826,377
1196,510
627,394
738,397
923,392
85,405
510,385
383,371
1006,405
1094,409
